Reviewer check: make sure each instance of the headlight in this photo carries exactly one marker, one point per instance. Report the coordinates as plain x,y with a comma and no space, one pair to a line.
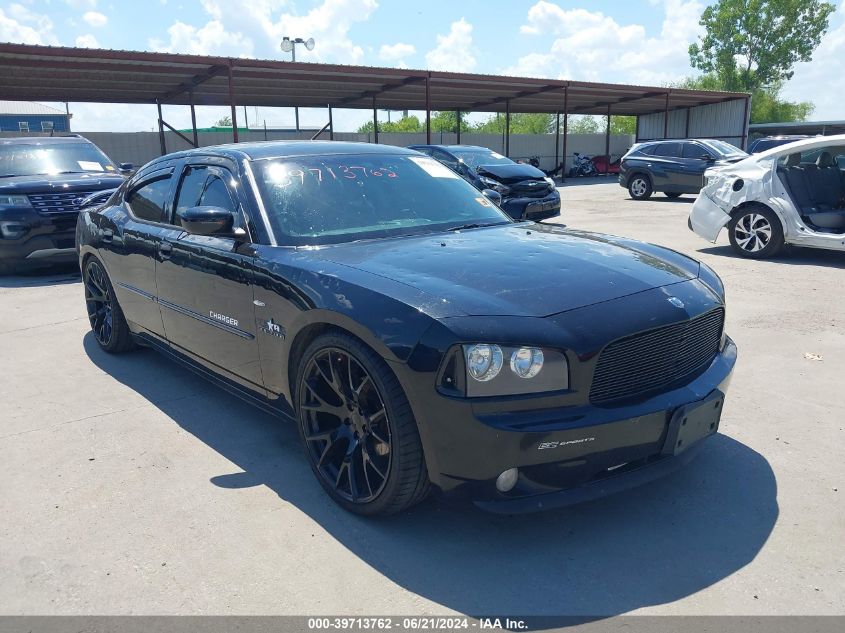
527,370
495,185
550,180
484,362
14,201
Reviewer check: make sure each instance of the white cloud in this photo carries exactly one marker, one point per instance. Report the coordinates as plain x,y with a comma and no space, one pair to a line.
259,26
590,45
822,81
95,18
396,52
19,24
87,41
454,51
210,39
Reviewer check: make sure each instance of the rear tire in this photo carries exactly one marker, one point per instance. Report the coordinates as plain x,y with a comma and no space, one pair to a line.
357,428
639,187
104,314
756,232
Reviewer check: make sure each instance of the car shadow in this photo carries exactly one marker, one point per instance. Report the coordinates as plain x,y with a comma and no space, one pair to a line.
572,181
654,545
52,276
792,255
683,199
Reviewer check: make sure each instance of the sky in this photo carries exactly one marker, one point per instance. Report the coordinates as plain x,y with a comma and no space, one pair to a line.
627,41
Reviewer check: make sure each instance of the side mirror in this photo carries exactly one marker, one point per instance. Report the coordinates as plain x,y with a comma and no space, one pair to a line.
707,158
493,196
208,221
126,168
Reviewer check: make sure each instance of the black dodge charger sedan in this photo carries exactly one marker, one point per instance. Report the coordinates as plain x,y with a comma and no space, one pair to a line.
419,337
43,182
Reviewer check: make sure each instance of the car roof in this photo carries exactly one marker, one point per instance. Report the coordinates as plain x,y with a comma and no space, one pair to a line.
42,140
452,147
800,145
280,149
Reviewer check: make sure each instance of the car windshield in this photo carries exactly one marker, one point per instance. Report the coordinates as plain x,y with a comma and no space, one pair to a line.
724,149
476,157
30,159
313,200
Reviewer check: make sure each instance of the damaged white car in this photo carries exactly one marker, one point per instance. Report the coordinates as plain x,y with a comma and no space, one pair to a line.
792,194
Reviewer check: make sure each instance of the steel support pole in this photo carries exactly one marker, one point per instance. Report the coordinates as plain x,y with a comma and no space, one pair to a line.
232,105
607,144
557,140
745,122
565,130
161,130
193,119
686,128
375,122
666,118
458,117
508,128
331,124
428,109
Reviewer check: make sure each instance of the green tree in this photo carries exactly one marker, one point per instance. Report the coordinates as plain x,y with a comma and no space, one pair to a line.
749,44
585,124
405,124
623,125
226,121
521,123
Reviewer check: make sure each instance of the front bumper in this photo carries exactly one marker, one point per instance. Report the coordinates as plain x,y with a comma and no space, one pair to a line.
533,208
707,218
565,455
48,239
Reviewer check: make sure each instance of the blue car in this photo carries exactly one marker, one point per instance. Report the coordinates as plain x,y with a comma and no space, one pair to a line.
527,193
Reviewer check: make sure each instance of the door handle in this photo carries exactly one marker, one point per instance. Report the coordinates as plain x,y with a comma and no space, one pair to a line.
107,235
165,250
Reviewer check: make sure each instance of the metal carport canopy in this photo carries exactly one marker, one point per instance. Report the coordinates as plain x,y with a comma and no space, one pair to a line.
46,73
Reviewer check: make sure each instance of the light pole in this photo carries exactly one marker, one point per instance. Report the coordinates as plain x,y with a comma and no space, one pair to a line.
289,46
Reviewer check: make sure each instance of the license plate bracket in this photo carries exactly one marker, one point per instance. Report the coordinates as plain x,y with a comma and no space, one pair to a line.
693,422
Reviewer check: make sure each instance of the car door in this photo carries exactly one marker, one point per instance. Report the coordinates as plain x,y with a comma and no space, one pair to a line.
696,159
129,247
205,283
666,170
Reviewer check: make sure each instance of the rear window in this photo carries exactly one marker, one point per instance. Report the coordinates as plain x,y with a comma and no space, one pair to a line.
42,159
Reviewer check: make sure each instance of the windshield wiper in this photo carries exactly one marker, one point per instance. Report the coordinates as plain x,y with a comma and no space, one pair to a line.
474,225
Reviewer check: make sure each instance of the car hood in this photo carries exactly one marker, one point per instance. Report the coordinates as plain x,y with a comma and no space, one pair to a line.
506,174
59,183
516,269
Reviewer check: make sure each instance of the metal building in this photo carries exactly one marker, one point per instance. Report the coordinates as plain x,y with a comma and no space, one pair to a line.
25,116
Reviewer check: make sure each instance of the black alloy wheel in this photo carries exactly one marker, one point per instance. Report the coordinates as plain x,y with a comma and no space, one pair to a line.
104,314
347,400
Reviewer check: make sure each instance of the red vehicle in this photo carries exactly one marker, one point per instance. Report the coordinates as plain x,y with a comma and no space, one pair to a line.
603,167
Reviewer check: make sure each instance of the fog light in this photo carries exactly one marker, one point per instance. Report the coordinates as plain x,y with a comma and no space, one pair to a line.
507,480
12,230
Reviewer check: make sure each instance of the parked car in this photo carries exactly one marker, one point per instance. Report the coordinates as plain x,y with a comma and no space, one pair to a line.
417,335
527,193
43,181
768,142
792,194
674,167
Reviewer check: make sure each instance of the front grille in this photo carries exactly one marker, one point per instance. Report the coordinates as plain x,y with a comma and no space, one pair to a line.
530,189
56,203
650,360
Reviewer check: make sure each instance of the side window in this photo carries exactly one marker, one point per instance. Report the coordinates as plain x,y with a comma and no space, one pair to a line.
216,194
667,149
148,201
694,150
191,188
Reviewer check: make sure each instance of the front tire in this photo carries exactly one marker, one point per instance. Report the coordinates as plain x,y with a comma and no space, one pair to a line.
756,232
104,314
357,428
639,187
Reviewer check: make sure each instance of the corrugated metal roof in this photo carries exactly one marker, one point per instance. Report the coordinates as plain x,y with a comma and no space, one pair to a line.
27,107
50,73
